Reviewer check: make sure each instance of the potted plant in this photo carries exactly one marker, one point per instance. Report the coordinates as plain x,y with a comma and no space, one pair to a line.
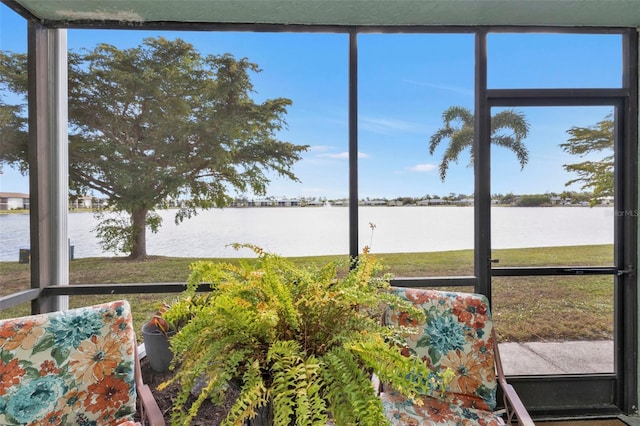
300,343
157,333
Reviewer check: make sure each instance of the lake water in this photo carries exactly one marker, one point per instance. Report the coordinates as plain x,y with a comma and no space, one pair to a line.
295,231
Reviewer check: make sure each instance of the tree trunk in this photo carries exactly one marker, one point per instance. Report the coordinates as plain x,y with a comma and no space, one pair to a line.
139,219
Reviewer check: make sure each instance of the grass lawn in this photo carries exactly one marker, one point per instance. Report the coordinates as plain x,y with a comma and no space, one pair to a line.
524,308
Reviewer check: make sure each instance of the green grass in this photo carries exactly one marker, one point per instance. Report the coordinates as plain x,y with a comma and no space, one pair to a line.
524,308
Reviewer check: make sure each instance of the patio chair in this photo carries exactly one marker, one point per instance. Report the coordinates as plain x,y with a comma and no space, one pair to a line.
73,367
458,334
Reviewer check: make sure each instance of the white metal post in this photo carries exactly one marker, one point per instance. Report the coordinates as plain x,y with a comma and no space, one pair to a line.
48,162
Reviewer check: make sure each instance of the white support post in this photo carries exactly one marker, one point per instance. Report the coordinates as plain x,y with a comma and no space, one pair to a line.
49,162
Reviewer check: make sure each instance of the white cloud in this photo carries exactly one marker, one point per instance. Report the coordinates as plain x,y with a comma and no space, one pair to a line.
388,126
443,87
344,155
422,168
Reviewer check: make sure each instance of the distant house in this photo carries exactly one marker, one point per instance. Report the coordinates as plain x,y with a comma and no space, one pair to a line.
465,202
286,202
240,202
607,201
83,202
14,201
260,203
375,202
432,202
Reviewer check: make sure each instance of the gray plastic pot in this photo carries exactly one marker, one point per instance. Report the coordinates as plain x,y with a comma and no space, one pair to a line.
156,346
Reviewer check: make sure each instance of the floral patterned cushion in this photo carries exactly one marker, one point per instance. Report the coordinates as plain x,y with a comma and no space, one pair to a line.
434,412
457,334
73,367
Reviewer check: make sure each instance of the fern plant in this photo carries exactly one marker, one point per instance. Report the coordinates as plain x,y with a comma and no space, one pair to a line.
304,340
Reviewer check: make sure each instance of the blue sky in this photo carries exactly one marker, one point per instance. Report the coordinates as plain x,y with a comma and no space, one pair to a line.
406,81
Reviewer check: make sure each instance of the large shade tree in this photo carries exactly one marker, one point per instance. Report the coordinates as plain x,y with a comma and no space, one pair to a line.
13,124
593,175
156,123
508,129
13,138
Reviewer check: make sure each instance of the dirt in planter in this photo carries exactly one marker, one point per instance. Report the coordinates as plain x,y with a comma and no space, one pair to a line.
209,414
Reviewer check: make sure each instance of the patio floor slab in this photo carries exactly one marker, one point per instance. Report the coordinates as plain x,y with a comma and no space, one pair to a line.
557,357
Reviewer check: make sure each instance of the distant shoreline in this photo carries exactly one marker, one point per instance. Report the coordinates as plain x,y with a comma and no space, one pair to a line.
90,210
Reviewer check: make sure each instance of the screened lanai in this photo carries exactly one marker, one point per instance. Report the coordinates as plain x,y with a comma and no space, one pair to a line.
478,29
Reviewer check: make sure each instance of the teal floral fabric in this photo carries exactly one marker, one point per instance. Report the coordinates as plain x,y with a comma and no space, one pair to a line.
73,367
457,334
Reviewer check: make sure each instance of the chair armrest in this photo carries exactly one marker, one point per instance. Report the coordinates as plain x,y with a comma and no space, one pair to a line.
517,407
150,413
149,410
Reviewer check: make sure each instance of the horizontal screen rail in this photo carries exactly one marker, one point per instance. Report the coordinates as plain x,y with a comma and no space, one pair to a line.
556,97
561,270
130,288
464,281
14,299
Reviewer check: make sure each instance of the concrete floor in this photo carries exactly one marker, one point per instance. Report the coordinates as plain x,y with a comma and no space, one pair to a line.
557,357
601,422
622,421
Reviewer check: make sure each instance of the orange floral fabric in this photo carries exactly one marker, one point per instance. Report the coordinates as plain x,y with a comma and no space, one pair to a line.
73,367
457,334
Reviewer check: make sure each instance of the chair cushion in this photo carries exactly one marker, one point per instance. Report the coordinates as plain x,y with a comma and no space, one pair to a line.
456,335
434,412
73,367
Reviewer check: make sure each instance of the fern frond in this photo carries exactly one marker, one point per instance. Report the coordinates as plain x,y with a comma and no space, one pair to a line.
297,386
216,375
409,375
284,357
206,271
352,399
303,340
310,405
253,395
278,293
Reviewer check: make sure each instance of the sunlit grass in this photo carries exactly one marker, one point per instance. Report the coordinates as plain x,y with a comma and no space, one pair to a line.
524,308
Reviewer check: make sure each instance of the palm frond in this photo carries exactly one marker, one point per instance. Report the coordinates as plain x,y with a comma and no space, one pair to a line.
513,120
438,137
457,113
458,142
521,151
459,129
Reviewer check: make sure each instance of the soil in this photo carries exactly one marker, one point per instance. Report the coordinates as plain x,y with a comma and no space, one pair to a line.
209,414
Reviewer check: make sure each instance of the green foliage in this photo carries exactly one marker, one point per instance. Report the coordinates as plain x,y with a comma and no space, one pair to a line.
253,395
179,312
508,129
594,175
118,234
155,123
534,200
13,122
13,137
303,339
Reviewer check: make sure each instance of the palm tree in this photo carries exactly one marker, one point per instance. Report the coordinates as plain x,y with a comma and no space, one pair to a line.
461,137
